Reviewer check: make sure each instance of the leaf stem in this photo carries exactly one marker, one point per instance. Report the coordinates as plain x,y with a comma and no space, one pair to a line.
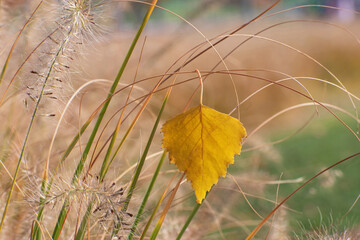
201,86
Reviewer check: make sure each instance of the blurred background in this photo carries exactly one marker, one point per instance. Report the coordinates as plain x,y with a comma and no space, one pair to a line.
311,41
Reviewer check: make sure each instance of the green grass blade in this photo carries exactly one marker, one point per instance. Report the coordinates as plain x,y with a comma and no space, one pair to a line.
141,162
111,92
156,209
155,232
81,163
82,229
152,217
146,197
166,209
36,234
106,162
143,157
188,220
61,219
36,229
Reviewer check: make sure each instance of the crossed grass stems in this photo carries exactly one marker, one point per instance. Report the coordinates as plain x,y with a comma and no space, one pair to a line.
142,102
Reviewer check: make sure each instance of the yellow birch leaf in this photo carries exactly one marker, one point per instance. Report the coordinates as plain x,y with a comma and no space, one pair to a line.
202,143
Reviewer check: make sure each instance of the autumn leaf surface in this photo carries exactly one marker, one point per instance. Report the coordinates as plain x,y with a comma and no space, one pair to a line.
202,142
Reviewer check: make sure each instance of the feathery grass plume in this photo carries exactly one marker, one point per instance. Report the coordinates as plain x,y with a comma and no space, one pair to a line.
52,58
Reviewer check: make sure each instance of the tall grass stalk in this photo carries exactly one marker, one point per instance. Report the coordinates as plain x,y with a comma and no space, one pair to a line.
149,221
166,209
146,197
83,226
142,159
106,164
81,163
138,171
111,92
31,123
